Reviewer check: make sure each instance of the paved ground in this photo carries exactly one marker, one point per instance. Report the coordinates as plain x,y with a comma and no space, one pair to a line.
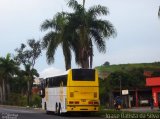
142,109
11,112
8,112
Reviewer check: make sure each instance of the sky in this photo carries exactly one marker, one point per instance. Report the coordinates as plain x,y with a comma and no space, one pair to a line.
136,22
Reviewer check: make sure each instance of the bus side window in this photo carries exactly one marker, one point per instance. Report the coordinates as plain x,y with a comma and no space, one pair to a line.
64,80
50,82
47,82
42,89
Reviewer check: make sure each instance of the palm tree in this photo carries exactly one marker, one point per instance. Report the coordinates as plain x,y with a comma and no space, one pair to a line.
89,29
77,31
29,75
8,69
57,36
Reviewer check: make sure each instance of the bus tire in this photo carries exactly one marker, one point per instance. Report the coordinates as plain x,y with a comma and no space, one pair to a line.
59,109
56,108
45,107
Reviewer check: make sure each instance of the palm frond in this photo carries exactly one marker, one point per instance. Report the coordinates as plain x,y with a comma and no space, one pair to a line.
109,29
47,39
55,23
105,27
46,25
75,5
52,46
98,39
98,10
67,55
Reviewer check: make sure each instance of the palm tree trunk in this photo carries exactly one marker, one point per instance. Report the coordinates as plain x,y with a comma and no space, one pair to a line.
8,90
3,91
28,93
1,95
6,93
84,58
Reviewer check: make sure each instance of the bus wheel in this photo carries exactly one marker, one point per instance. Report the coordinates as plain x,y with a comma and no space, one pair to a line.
59,109
45,107
56,108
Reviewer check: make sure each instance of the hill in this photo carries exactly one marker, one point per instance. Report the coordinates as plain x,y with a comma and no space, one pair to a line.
112,68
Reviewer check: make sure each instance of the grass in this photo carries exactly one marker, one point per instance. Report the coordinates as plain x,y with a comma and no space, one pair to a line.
114,114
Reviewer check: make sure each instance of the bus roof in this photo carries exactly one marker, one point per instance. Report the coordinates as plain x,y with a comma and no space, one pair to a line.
59,73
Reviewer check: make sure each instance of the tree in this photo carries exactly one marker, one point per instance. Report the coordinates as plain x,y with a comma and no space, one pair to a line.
29,75
19,83
57,36
1,87
8,68
76,32
106,63
86,29
28,57
130,78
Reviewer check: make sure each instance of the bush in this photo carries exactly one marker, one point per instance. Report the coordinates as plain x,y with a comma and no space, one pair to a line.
36,101
17,99
21,100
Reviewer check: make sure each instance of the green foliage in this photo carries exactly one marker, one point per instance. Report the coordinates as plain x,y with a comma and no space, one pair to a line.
104,91
132,78
21,100
27,56
8,68
36,101
87,30
156,73
106,63
19,84
58,35
77,31
145,66
17,99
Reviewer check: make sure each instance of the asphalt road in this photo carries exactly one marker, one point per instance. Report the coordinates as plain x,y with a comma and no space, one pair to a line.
25,113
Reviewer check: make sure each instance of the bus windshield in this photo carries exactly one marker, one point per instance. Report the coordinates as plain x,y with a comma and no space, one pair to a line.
83,75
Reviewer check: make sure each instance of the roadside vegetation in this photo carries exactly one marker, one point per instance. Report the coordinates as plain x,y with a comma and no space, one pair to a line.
132,76
17,74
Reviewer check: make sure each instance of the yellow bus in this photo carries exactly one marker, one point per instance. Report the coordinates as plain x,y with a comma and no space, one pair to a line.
77,90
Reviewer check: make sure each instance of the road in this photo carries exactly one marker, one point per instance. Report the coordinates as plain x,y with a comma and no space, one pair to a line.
7,112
